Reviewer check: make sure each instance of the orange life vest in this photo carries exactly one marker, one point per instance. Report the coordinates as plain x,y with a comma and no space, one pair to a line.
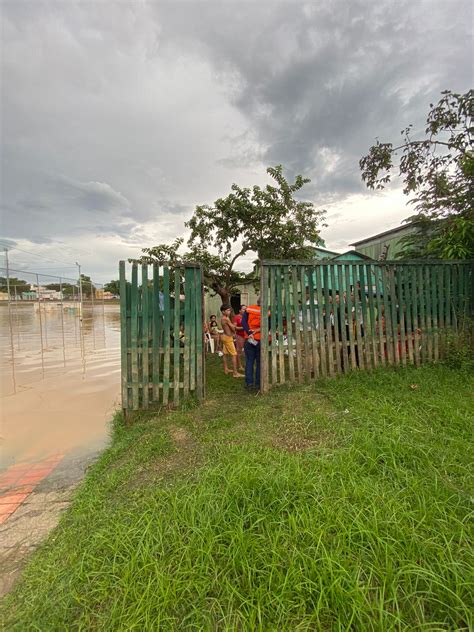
254,317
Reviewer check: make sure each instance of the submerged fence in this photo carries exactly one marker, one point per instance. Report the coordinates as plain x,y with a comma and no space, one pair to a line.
47,322
330,318
161,321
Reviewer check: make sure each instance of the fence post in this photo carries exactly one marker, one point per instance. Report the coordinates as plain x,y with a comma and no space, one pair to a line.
124,337
264,329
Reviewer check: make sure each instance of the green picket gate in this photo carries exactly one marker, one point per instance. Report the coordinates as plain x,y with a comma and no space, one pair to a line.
330,318
161,321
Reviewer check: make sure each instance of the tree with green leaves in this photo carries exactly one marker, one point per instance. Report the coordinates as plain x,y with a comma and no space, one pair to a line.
270,222
87,286
68,289
113,287
217,275
17,286
438,173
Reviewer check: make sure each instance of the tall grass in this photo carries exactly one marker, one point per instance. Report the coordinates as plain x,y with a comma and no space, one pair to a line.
343,505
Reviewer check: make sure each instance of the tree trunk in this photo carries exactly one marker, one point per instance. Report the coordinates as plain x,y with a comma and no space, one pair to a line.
224,294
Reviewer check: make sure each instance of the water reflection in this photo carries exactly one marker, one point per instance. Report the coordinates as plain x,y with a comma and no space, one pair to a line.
60,376
37,341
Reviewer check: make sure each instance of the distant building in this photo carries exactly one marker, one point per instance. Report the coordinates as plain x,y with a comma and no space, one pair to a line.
45,294
351,255
324,253
103,294
386,245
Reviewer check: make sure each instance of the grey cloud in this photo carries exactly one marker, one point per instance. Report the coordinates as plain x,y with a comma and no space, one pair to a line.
96,197
118,121
331,75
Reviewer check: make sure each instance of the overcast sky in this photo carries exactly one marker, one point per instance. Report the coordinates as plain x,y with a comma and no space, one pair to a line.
119,117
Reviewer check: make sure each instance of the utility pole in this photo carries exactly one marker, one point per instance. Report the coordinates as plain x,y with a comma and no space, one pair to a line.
81,332
8,273
80,290
10,321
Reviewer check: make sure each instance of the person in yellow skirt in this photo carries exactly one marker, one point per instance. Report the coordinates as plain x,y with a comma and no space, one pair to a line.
227,341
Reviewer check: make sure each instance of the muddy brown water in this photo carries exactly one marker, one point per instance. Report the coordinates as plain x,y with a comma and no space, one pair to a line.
59,380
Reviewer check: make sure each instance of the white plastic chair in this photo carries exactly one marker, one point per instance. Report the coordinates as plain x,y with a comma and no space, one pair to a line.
209,342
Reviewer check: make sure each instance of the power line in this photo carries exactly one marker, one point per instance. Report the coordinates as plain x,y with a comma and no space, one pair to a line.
34,254
20,263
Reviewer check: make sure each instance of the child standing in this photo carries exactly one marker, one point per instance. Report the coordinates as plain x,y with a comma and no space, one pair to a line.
227,339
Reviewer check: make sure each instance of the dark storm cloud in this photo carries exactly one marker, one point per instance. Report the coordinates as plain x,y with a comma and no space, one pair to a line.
117,121
320,78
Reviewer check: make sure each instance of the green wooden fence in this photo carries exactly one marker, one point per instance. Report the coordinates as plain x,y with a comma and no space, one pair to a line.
331,318
161,317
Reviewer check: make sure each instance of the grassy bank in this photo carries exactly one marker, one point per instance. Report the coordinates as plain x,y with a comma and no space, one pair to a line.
340,505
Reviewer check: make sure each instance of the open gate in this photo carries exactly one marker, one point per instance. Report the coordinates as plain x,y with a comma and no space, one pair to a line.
161,320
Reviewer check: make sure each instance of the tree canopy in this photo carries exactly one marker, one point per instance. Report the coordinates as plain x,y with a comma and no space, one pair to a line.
113,287
268,221
16,285
438,173
68,289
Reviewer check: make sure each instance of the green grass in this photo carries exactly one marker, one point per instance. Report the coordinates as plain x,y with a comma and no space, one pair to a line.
334,506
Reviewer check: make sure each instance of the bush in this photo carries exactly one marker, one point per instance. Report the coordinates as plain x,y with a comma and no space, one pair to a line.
459,346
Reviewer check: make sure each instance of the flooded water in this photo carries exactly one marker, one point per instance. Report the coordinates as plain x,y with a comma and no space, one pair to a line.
60,379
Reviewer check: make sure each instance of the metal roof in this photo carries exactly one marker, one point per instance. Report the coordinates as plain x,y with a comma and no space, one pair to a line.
386,232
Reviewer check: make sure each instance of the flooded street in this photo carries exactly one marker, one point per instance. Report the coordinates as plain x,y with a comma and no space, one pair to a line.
60,381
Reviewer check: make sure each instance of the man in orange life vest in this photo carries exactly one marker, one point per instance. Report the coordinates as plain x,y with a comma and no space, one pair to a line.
251,324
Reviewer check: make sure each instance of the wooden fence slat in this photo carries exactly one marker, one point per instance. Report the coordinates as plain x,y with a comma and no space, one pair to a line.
447,316
469,289
294,280
365,325
434,301
200,355
373,330
281,348
327,320
464,292
342,319
389,338
134,336
321,328
304,320
350,317
313,323
123,335
459,295
176,332
380,324
394,301
401,316
428,312
454,295
289,325
415,311
441,311
407,298
166,334
273,332
357,316
422,314
187,330
156,324
336,317
193,326
264,373
145,337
